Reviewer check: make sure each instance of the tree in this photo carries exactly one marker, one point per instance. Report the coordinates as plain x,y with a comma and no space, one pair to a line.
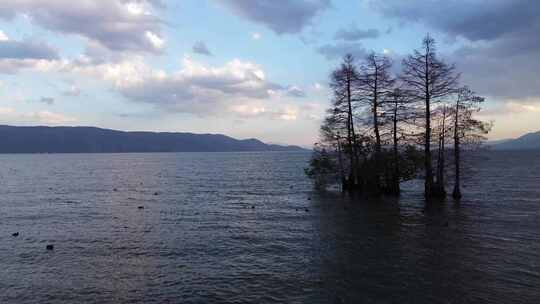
429,80
375,87
343,82
322,168
331,136
466,129
442,116
398,112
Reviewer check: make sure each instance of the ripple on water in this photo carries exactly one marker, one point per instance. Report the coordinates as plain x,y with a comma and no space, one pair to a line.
229,228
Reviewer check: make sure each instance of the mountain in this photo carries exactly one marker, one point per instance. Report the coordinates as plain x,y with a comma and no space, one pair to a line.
529,141
497,141
41,139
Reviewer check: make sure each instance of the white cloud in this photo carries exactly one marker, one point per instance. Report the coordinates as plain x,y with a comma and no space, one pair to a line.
3,36
516,107
155,40
286,112
295,91
195,88
11,115
118,25
6,111
135,8
50,117
256,36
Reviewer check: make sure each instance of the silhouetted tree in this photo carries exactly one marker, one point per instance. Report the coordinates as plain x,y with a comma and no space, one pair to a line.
322,168
466,129
429,80
376,84
442,116
343,82
398,114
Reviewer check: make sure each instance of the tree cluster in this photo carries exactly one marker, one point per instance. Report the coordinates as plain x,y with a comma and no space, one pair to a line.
384,127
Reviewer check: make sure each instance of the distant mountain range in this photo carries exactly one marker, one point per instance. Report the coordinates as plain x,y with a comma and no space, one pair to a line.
529,141
95,140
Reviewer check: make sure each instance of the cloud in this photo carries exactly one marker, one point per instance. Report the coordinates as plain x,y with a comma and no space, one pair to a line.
27,54
3,36
499,55
50,117
11,49
6,111
195,88
295,91
354,33
72,91
245,111
13,66
513,106
284,16
256,36
200,48
338,50
14,116
47,100
471,19
118,25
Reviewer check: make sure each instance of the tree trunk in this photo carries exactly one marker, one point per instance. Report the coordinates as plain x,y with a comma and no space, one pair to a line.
341,169
376,177
354,156
440,191
396,178
428,183
456,194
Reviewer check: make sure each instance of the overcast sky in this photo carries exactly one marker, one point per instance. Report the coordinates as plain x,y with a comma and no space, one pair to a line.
247,68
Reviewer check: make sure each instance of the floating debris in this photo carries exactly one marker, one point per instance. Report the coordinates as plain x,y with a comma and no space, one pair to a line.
115,189
16,234
155,193
140,207
50,247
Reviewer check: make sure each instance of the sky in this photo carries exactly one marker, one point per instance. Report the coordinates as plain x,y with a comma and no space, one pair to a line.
248,68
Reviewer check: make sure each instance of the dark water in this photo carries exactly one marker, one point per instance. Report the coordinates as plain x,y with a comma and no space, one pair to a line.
233,228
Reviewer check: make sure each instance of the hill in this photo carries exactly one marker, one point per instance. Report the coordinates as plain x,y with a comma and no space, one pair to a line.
529,141
40,139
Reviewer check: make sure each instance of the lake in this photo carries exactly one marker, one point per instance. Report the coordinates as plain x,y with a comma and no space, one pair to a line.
247,228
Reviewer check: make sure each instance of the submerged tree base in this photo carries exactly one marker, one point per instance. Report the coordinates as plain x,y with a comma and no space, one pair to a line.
436,193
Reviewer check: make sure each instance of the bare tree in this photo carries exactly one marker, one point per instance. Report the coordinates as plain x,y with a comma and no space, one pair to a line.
466,129
398,115
343,82
375,87
429,80
442,132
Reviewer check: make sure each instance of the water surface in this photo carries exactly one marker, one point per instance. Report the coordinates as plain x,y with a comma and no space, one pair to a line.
246,228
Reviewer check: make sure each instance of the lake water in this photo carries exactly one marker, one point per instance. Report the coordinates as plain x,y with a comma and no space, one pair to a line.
246,228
